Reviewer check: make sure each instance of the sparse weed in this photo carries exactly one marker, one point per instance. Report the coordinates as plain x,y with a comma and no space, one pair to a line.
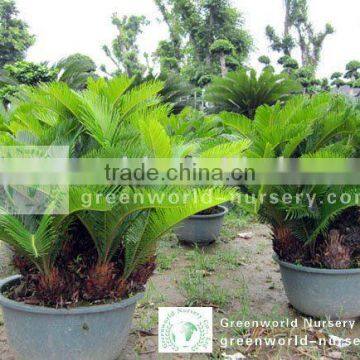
201,261
165,260
199,291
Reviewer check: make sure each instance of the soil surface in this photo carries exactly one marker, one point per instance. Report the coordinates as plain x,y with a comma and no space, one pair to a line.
237,276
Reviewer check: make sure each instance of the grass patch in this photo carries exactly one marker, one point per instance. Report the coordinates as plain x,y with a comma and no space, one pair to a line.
242,294
201,261
199,291
165,261
231,258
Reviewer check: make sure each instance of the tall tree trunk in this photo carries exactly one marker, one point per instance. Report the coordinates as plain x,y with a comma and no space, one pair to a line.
287,23
303,47
211,38
208,59
224,69
171,23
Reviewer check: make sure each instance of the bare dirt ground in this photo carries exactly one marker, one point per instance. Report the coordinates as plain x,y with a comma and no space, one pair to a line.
237,276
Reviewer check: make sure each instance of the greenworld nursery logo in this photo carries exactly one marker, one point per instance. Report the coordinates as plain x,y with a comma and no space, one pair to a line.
185,330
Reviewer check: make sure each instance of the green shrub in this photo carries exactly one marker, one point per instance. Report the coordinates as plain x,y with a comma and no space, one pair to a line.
105,251
322,126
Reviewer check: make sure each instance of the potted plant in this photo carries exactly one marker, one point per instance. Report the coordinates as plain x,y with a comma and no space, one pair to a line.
202,228
204,135
81,273
316,243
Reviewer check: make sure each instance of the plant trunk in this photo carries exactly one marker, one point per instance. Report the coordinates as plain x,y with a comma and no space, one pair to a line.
224,69
287,18
287,24
303,48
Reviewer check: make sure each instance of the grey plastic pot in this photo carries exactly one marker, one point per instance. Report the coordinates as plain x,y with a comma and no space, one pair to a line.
85,333
322,293
201,229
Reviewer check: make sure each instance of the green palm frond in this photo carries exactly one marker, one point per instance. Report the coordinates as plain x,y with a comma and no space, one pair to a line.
322,126
227,150
240,123
144,95
329,210
243,92
35,244
140,245
156,139
113,90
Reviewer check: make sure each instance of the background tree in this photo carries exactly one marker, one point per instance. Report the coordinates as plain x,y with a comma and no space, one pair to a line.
196,27
350,77
15,38
29,73
265,60
75,70
166,57
336,79
353,73
222,48
298,30
304,75
124,51
289,64
170,52
24,73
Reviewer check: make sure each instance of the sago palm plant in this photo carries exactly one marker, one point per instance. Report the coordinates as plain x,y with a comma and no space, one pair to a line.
101,251
323,126
243,91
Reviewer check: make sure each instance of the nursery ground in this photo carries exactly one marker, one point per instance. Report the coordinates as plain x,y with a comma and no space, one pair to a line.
237,276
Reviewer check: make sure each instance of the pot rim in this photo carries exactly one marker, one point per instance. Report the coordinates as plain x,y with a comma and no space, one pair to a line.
223,213
308,269
81,310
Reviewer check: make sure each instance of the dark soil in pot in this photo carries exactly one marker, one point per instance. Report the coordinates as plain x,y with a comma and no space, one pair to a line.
77,278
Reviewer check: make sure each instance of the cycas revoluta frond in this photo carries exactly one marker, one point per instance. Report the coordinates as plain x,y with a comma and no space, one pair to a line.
244,92
36,244
159,220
